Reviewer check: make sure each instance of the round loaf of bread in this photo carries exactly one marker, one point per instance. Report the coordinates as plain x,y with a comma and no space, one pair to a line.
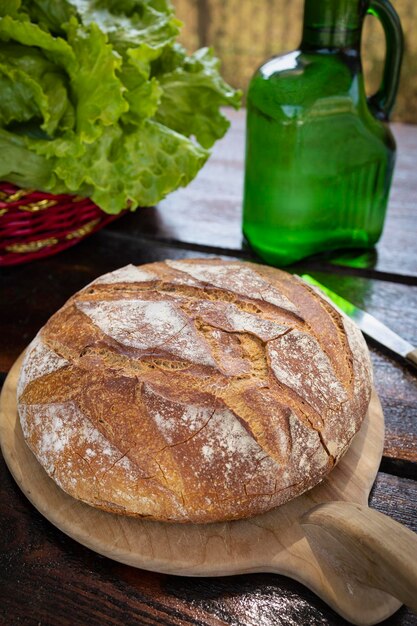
193,391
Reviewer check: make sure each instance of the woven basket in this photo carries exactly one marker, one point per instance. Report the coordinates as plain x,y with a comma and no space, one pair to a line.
34,224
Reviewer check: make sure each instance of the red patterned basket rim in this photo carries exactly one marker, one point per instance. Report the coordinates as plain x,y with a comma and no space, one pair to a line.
34,224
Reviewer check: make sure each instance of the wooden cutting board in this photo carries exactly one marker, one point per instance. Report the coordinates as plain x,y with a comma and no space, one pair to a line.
341,550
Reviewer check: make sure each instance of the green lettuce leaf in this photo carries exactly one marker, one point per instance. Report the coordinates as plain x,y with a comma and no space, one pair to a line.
56,49
131,23
50,15
23,167
32,88
97,99
123,169
9,7
192,94
97,90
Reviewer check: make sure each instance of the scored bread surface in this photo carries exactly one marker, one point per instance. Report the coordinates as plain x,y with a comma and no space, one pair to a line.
193,391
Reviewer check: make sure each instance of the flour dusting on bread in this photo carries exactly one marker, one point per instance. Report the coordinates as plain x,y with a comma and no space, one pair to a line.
193,391
39,360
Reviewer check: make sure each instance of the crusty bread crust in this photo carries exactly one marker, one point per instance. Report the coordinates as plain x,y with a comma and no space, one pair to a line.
193,391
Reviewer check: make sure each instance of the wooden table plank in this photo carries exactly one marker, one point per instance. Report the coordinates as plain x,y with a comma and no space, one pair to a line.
208,212
47,578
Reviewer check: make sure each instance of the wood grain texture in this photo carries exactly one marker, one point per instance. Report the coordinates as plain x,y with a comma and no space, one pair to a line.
274,541
208,212
47,578
366,545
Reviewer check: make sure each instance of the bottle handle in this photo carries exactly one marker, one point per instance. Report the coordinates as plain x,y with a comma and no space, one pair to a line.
382,102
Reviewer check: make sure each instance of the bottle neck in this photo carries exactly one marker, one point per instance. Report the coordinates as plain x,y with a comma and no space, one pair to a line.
333,24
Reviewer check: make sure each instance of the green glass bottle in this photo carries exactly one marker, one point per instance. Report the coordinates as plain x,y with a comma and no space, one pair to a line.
319,154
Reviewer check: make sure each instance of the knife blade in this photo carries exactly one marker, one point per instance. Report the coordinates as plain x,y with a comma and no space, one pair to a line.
369,325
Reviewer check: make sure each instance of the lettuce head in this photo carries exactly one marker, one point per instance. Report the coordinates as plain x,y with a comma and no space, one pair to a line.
98,99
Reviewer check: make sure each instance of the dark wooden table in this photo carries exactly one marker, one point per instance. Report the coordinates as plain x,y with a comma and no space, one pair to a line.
47,578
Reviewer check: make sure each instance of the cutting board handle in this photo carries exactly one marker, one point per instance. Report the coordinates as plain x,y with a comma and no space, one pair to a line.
370,548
